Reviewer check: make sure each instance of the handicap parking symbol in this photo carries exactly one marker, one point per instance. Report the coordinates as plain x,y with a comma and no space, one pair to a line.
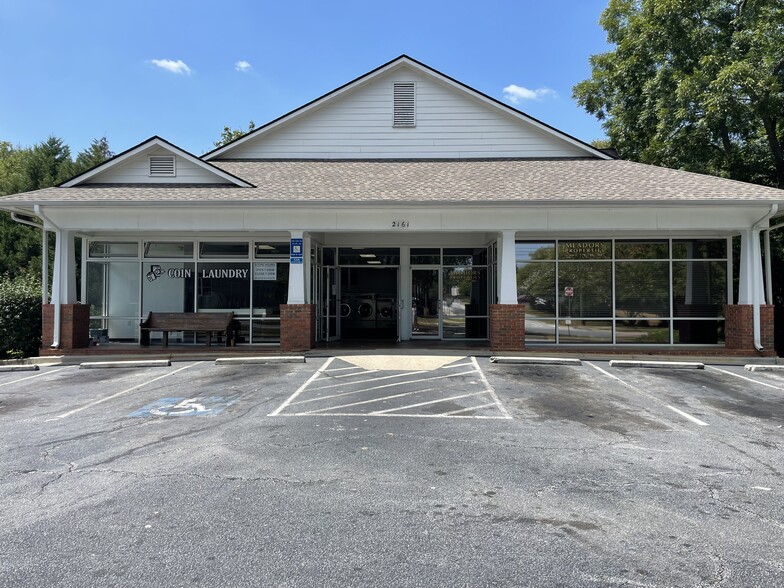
181,406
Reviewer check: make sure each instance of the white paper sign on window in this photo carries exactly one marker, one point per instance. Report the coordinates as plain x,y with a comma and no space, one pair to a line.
265,270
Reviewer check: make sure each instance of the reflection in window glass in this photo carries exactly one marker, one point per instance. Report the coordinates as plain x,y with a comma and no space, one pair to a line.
642,289
168,286
271,291
525,251
584,249
699,248
536,288
218,249
96,288
421,256
168,249
368,256
580,331
465,256
642,331
113,249
699,288
538,330
272,249
641,250
696,332
224,287
591,285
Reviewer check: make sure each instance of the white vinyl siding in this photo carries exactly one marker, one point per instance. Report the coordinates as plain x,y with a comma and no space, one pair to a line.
449,124
136,170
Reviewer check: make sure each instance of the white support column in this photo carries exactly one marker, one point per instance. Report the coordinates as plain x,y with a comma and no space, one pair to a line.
297,271
64,278
44,266
750,289
307,270
404,303
507,268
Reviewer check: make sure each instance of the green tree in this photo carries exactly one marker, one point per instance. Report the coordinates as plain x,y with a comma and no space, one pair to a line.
693,84
228,135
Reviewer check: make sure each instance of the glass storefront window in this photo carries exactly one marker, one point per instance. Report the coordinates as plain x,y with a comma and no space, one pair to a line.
168,286
465,256
642,289
699,288
368,256
591,287
224,287
271,249
163,249
223,249
270,288
538,330
423,256
642,331
536,288
580,331
699,249
529,251
99,249
642,250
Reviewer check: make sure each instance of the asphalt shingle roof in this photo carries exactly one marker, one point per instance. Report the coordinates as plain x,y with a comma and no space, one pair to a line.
428,181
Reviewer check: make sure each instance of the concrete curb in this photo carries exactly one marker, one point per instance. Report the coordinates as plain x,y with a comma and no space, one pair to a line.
260,360
536,360
764,368
674,365
92,365
18,368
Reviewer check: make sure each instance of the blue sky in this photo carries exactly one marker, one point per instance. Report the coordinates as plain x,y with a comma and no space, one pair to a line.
83,69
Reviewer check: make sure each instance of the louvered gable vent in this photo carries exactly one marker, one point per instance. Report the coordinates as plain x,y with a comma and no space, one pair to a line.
162,165
405,104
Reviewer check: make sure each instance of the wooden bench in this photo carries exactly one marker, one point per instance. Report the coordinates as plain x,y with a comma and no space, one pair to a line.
207,322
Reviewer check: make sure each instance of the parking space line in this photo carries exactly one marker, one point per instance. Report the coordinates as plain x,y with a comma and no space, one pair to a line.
393,415
650,396
381,387
343,369
315,375
490,389
437,401
710,367
372,400
369,380
31,377
688,416
107,398
469,409
331,377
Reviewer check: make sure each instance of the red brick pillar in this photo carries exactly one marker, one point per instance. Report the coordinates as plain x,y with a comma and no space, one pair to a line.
74,326
739,327
507,327
297,327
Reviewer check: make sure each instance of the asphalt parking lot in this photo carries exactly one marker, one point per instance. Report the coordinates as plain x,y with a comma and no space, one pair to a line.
391,471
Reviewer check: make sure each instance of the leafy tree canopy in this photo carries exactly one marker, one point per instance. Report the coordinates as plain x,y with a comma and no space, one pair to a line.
693,84
228,135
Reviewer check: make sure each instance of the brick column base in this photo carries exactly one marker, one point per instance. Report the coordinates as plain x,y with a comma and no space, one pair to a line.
739,327
297,327
74,326
507,327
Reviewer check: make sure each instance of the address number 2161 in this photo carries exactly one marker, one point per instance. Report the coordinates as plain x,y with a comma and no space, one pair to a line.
400,224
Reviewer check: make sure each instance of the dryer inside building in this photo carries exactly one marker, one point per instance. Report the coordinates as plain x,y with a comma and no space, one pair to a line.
368,304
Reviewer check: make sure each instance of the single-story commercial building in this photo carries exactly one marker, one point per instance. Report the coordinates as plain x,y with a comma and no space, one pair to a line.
403,206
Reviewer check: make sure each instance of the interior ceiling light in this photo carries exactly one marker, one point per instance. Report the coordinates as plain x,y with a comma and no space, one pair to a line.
264,247
367,254
374,261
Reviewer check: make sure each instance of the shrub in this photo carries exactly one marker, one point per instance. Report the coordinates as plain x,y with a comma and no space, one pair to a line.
20,316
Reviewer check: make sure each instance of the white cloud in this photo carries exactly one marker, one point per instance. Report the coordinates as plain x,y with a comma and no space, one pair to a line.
516,94
177,67
243,65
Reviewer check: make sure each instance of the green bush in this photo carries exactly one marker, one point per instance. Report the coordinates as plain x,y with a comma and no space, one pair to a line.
20,316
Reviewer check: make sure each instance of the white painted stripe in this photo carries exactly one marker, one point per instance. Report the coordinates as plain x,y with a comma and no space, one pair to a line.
31,377
606,373
392,415
107,398
710,367
454,365
490,389
371,401
469,409
330,377
370,380
301,388
382,387
438,401
688,416
343,369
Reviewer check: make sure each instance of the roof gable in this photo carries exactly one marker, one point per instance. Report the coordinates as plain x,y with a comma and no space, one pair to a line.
453,121
133,167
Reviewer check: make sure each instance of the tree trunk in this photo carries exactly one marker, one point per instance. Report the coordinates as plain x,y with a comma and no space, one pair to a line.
775,148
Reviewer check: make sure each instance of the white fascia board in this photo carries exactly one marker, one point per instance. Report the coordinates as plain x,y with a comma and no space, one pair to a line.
427,71
147,145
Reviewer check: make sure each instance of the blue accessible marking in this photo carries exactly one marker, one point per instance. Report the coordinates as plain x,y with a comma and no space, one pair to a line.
182,406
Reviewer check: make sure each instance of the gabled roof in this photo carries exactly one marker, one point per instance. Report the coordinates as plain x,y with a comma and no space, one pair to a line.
403,60
428,183
151,143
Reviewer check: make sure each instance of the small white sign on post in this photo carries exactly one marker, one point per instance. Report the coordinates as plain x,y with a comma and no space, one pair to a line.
265,271
568,291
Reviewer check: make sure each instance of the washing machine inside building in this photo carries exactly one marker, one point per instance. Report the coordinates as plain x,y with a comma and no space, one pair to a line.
368,303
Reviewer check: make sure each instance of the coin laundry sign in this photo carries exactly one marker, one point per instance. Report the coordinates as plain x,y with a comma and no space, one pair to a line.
156,271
